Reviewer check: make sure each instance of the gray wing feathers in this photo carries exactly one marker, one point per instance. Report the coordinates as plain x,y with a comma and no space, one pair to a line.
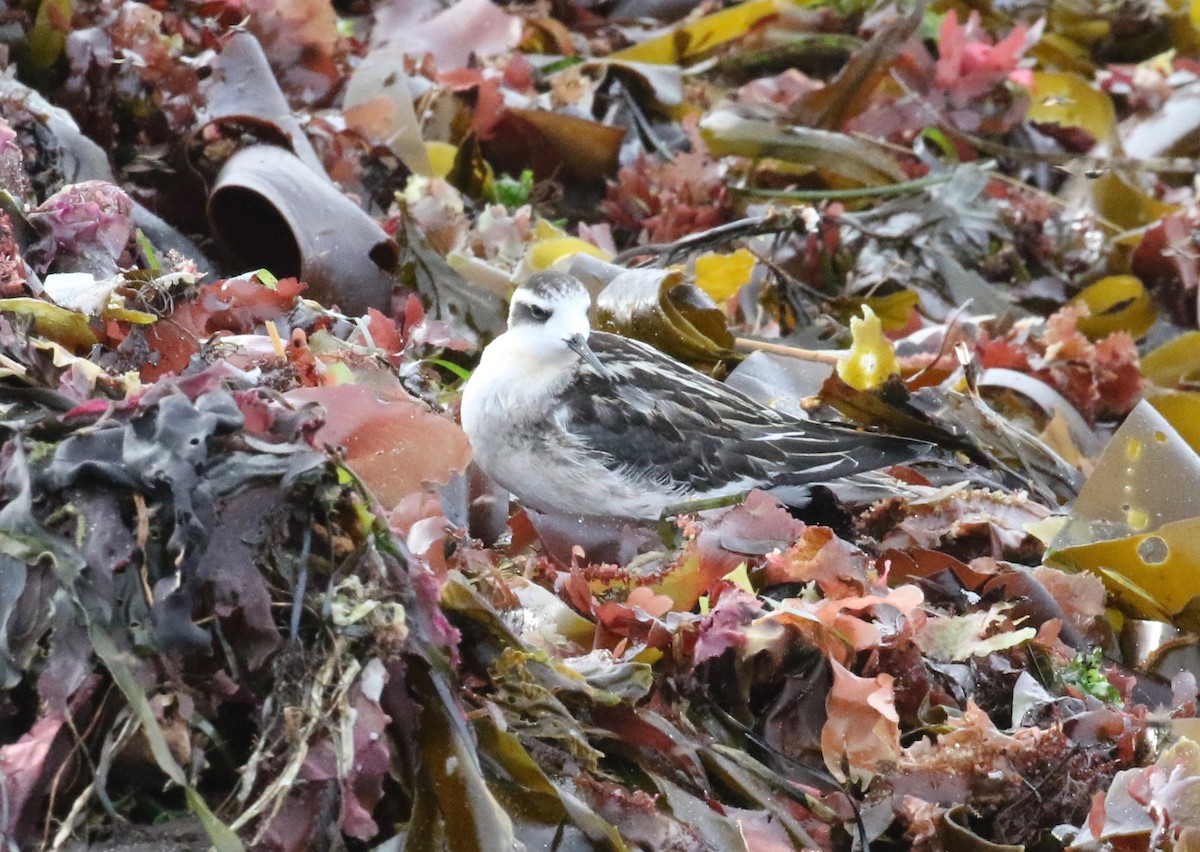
654,416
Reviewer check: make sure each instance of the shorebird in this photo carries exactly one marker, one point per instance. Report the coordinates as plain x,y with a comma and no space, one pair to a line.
583,422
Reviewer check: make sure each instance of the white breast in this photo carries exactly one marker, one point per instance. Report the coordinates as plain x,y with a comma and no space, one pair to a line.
508,389
509,397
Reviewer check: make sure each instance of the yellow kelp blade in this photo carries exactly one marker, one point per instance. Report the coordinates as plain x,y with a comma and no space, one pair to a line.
691,40
1136,523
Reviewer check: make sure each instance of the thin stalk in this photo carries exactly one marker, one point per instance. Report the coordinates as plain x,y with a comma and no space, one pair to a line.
747,344
689,506
843,194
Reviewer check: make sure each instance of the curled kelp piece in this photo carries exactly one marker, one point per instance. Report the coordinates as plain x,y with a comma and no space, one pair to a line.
243,88
659,307
267,210
272,205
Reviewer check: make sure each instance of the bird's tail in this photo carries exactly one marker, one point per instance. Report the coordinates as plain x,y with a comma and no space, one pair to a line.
820,452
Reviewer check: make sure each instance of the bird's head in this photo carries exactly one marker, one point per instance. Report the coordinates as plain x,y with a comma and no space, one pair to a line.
549,312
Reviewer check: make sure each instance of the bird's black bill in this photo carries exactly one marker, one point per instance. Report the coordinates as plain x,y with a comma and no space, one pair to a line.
579,345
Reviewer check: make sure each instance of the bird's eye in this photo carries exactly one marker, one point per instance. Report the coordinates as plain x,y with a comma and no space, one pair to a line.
538,313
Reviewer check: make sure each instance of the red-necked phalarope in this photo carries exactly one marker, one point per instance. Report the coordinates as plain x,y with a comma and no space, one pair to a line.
588,423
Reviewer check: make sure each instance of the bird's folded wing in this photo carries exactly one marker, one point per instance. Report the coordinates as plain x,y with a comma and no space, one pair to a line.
654,417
